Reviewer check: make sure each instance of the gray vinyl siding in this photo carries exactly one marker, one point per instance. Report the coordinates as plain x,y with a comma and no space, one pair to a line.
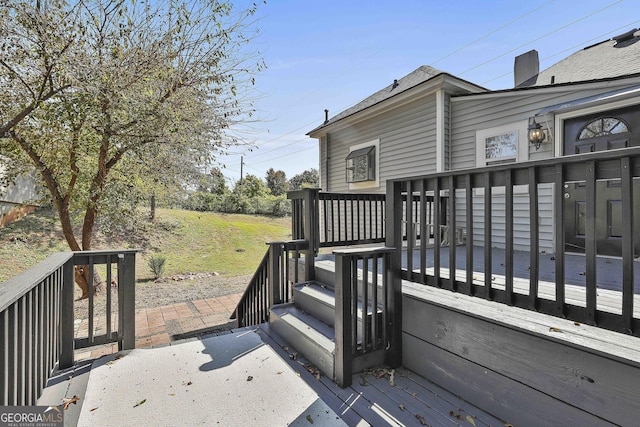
469,115
407,144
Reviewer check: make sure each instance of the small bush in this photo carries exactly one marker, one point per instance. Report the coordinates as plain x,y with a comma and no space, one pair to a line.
156,264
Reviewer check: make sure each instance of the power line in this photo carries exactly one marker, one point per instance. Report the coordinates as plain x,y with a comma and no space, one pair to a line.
543,36
438,60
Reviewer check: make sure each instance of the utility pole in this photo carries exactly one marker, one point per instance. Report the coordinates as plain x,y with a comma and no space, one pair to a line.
241,165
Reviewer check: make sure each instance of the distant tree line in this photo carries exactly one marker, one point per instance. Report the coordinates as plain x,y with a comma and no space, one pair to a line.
251,195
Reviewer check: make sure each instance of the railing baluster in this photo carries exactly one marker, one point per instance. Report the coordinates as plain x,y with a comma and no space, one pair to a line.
508,201
488,253
437,220
4,358
453,243
91,302
559,229
469,222
628,230
590,241
534,238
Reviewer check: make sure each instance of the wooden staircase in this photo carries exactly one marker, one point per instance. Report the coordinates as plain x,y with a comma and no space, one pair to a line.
308,326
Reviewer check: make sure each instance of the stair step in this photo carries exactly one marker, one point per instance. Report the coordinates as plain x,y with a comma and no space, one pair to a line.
305,333
319,300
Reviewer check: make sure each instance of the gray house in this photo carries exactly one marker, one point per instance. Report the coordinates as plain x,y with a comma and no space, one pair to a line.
18,198
430,122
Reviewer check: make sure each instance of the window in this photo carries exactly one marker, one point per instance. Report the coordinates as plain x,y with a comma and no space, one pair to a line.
361,164
502,144
502,147
603,126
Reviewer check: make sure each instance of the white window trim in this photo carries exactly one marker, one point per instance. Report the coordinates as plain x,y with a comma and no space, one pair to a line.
373,183
519,128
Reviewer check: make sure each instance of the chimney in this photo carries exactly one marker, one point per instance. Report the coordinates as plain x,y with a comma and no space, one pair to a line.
526,67
326,115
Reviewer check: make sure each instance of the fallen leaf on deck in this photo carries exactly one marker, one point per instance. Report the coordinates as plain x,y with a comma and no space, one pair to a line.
310,419
172,394
421,419
453,414
93,409
66,401
552,329
363,381
140,403
187,383
402,408
249,378
392,378
577,323
508,425
471,421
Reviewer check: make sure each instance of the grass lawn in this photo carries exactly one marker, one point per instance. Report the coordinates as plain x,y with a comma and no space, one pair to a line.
192,242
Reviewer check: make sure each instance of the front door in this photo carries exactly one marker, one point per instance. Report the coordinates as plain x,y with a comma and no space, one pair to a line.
598,132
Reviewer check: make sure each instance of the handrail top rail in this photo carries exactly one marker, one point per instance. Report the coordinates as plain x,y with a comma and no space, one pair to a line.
357,251
100,256
544,163
290,243
15,287
108,252
299,194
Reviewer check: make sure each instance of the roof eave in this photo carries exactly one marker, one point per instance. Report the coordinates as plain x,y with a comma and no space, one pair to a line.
421,89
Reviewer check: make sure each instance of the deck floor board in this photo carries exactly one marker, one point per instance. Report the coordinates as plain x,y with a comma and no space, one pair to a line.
381,403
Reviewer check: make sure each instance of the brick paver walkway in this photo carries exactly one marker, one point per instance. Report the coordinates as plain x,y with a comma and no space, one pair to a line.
158,326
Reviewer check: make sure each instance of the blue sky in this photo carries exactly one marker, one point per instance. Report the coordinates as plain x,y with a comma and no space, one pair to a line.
334,53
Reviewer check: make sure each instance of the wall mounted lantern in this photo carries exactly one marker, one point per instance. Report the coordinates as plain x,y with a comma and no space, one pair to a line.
535,133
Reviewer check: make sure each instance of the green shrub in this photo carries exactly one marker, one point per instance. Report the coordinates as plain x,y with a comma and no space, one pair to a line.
156,264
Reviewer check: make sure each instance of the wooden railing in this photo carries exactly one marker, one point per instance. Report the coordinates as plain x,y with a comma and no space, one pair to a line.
271,283
37,321
483,201
348,219
368,311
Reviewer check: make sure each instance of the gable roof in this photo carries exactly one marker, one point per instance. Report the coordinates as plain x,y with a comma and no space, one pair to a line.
417,77
616,57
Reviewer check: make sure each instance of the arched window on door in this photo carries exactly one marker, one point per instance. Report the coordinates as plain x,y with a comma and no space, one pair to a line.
602,127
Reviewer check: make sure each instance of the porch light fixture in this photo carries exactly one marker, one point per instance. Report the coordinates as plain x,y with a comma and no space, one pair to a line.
535,134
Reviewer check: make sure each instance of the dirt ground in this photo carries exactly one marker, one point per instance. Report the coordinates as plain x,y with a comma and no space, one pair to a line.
169,291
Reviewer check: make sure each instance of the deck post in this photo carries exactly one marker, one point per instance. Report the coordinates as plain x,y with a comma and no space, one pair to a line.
126,301
311,230
393,318
66,316
275,255
343,325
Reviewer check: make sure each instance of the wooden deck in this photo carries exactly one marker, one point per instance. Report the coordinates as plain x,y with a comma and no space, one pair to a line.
251,376
608,269
609,275
377,400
